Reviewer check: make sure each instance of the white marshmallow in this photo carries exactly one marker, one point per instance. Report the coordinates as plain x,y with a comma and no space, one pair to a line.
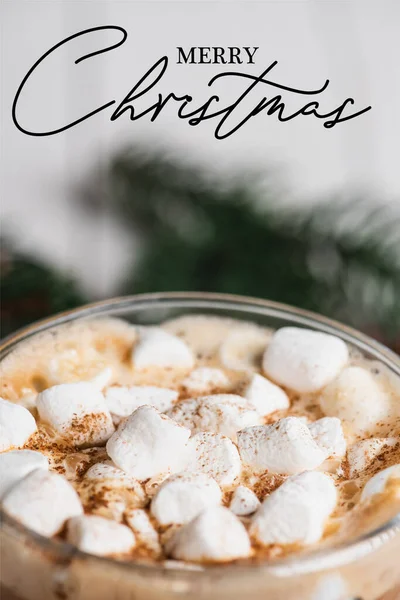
215,455
145,533
297,511
43,501
328,434
266,397
219,413
106,470
114,491
243,348
378,483
304,360
78,411
158,348
204,380
361,455
182,497
122,401
116,478
244,501
16,464
285,447
356,397
99,536
216,534
16,425
148,443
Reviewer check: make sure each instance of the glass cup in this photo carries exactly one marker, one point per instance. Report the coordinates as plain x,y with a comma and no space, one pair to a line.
36,568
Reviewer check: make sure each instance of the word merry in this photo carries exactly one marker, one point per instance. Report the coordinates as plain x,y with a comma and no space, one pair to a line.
216,55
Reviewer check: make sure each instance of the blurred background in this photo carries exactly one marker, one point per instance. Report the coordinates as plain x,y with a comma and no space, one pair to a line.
291,211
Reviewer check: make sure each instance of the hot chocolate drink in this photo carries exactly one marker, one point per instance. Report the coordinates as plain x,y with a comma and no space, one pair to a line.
198,443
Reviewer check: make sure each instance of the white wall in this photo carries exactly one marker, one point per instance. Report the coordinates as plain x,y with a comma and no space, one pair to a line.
354,44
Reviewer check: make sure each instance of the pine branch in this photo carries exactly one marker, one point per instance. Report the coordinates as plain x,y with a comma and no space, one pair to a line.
341,258
32,291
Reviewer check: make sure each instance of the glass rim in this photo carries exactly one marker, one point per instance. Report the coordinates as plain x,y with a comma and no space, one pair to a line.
315,560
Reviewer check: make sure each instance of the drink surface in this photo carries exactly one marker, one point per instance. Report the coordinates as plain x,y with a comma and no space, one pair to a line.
205,440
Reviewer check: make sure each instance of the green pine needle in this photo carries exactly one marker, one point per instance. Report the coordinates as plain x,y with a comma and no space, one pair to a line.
341,258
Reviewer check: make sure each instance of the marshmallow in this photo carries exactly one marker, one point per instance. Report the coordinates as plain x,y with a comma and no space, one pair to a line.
101,471
42,501
296,512
216,534
148,443
99,536
244,501
328,434
243,348
107,491
145,533
219,413
379,482
361,455
158,348
304,360
78,411
16,425
215,455
122,401
182,497
204,380
285,447
106,499
16,464
106,470
356,398
117,478
264,396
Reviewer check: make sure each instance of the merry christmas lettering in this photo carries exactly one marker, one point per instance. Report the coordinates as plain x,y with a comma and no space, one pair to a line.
229,118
